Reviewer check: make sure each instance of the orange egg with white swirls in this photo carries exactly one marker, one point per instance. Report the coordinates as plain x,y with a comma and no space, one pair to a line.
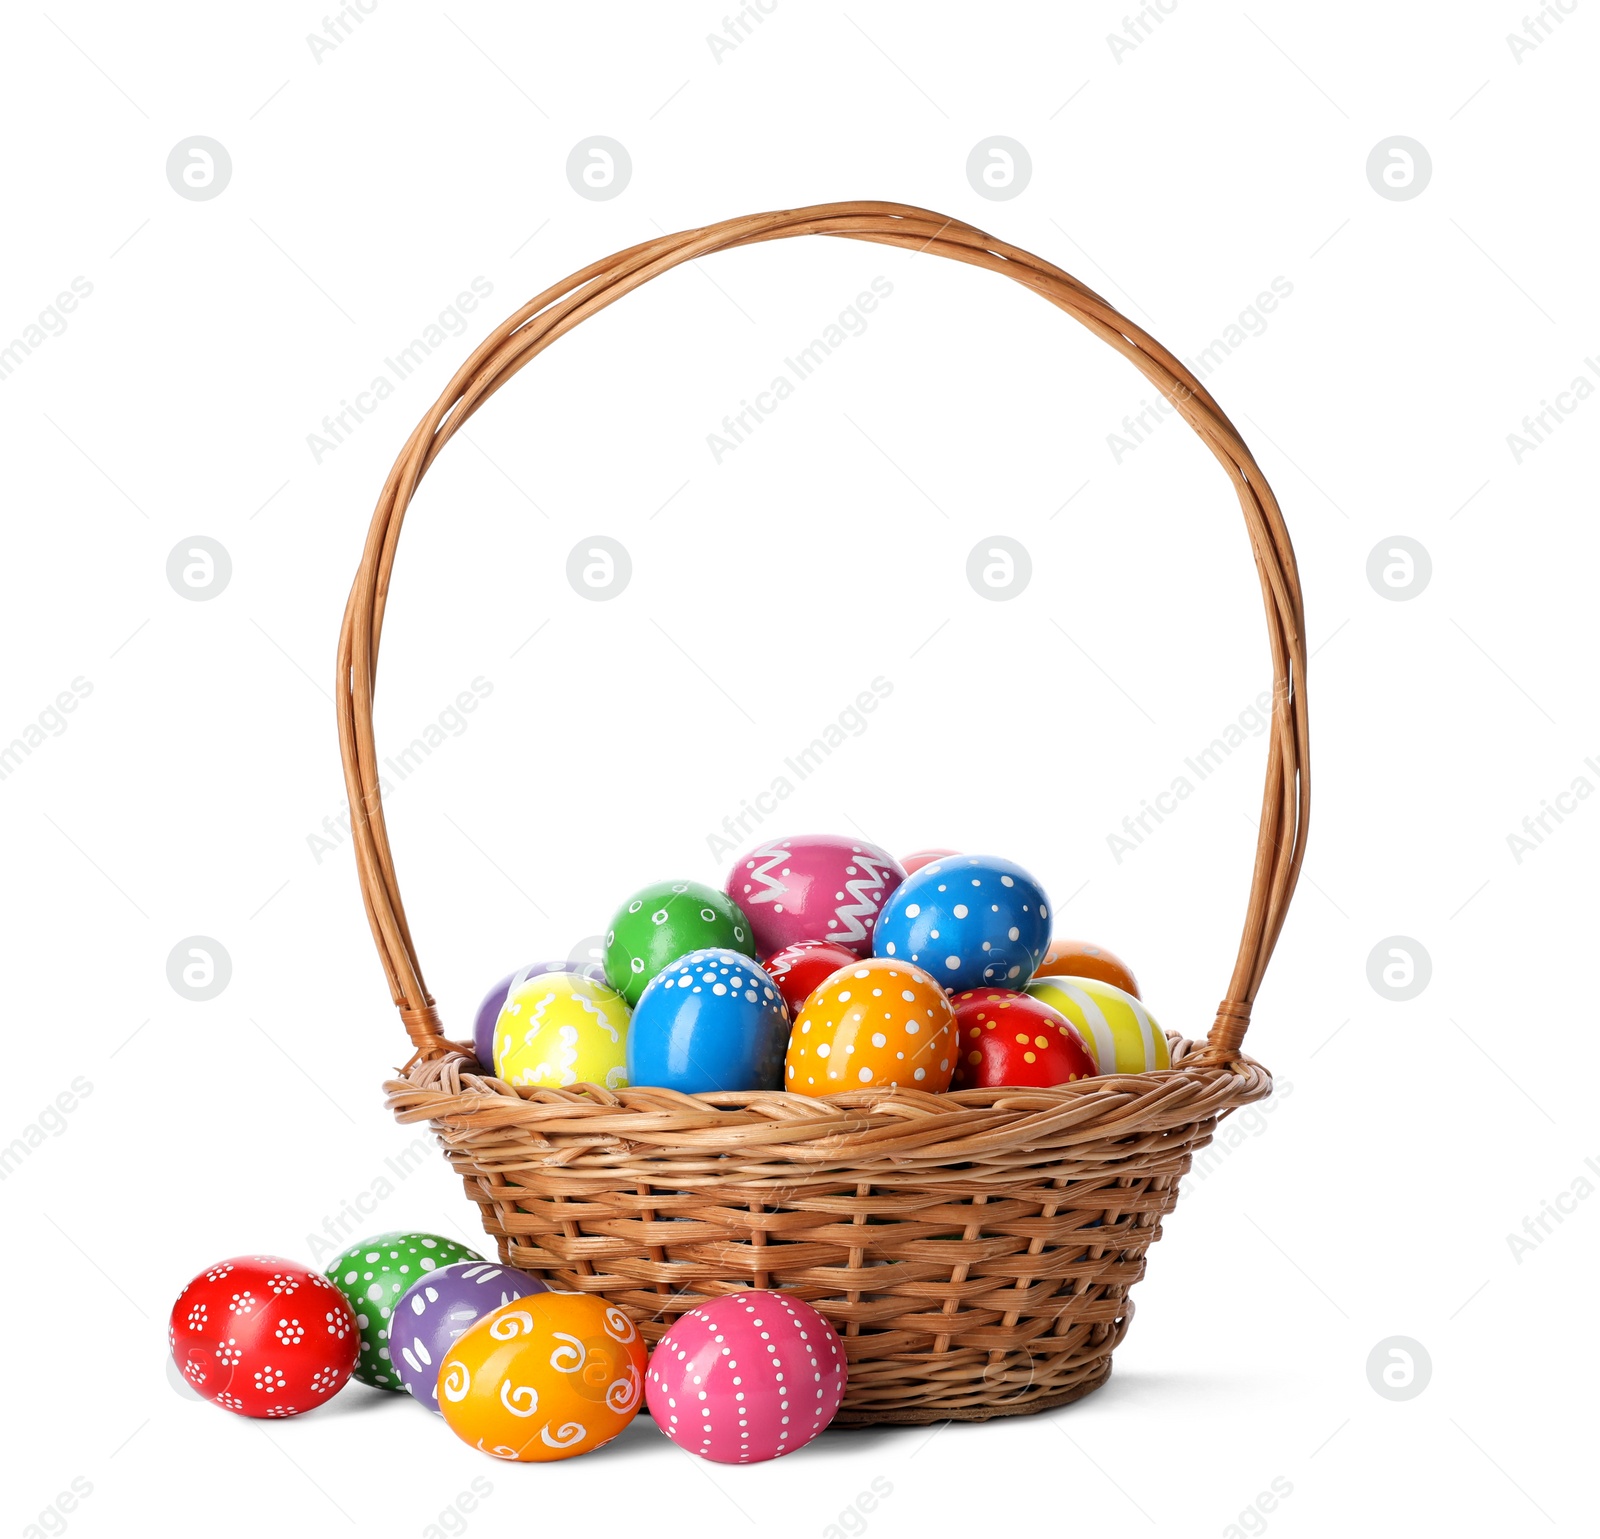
544,1377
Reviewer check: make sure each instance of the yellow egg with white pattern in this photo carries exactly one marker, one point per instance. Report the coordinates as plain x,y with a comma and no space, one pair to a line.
1123,1036
561,1029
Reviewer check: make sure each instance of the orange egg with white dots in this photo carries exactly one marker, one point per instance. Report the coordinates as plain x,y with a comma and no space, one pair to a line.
1006,1038
881,1022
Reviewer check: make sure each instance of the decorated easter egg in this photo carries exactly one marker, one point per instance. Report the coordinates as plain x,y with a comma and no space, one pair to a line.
1008,1038
880,1022
373,1275
814,887
970,920
1084,959
713,1020
917,859
545,1377
494,1001
1119,1031
562,1029
799,968
746,1377
439,1307
261,1336
665,921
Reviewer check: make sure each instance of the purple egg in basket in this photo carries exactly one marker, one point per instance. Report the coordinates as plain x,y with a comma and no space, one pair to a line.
494,1000
437,1308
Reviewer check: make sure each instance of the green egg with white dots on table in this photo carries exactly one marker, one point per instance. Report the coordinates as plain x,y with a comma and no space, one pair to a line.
372,1275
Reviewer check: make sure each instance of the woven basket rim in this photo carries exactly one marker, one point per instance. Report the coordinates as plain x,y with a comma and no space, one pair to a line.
853,1130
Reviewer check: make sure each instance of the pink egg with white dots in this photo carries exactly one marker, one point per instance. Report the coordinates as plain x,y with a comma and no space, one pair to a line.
746,1378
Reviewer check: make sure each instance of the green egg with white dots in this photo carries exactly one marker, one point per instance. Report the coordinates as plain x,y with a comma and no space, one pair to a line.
665,921
372,1275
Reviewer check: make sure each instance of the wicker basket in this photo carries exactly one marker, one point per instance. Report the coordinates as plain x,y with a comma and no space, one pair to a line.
974,1250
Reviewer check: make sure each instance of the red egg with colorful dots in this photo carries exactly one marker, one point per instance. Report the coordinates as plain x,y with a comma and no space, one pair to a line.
261,1336
1007,1038
745,1378
917,859
797,970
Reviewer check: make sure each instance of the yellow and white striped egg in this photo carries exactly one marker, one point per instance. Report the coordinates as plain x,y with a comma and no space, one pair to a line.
1123,1036
562,1029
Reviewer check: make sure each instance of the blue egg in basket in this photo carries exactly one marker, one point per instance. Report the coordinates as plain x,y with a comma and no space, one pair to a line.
710,1021
969,920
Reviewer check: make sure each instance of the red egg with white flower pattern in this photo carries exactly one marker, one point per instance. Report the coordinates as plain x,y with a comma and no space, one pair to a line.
1007,1038
799,969
261,1336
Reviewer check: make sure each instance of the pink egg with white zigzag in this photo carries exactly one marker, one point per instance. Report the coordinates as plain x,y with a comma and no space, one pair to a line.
814,887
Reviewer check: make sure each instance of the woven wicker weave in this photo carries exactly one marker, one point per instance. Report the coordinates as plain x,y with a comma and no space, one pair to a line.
974,1250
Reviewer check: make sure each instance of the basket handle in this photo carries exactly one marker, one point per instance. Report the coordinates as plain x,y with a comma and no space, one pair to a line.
1285,807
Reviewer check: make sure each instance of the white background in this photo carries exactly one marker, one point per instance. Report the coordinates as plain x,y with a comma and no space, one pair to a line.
369,187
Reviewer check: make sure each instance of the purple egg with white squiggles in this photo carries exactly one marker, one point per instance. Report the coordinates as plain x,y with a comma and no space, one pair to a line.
814,887
494,1001
438,1307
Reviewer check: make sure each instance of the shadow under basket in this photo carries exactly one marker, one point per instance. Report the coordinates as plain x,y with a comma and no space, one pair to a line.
974,1250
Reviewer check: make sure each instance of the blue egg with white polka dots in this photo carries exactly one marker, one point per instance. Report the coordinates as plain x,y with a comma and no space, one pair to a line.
710,1021
969,920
